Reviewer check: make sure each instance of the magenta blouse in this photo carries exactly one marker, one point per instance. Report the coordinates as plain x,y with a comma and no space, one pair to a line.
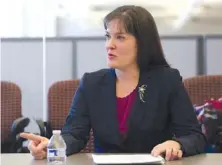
124,106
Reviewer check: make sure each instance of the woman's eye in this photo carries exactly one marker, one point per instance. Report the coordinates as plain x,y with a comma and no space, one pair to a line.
120,37
107,36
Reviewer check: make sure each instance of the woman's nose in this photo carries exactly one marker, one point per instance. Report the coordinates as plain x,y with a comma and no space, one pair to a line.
110,44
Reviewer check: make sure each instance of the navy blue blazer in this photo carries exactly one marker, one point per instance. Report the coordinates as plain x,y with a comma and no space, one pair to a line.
164,113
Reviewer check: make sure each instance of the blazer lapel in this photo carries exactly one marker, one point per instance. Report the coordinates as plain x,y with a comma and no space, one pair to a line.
108,107
145,102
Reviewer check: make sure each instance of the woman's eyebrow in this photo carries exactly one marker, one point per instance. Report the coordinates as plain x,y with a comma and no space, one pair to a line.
116,33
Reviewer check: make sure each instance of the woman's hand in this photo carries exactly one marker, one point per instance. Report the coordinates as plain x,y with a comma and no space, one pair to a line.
37,145
171,149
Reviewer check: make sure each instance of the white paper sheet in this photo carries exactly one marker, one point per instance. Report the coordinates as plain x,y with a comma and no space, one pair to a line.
126,159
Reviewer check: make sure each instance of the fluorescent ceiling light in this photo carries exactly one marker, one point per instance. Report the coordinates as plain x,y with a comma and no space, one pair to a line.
185,13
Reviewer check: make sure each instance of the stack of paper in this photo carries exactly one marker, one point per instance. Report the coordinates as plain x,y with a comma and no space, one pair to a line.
127,159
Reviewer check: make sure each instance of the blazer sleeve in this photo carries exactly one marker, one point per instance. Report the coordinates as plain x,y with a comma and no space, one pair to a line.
77,125
185,126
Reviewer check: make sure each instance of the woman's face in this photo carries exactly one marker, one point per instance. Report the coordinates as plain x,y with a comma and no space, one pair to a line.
121,46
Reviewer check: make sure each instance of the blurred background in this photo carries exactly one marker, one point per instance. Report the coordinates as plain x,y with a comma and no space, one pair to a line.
46,41
55,18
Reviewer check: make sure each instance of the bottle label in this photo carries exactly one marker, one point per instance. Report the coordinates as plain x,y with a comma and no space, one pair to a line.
56,153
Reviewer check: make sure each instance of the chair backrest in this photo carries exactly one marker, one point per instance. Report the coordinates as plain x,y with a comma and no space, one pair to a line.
10,107
59,101
202,88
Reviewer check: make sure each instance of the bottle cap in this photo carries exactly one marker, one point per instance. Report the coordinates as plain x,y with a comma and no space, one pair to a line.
56,132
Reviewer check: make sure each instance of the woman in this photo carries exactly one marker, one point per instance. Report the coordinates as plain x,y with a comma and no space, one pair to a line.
139,105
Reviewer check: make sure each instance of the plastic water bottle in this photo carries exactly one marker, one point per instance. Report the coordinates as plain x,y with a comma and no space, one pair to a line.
56,149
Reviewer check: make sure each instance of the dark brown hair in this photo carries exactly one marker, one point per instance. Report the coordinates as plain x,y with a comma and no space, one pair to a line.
140,23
